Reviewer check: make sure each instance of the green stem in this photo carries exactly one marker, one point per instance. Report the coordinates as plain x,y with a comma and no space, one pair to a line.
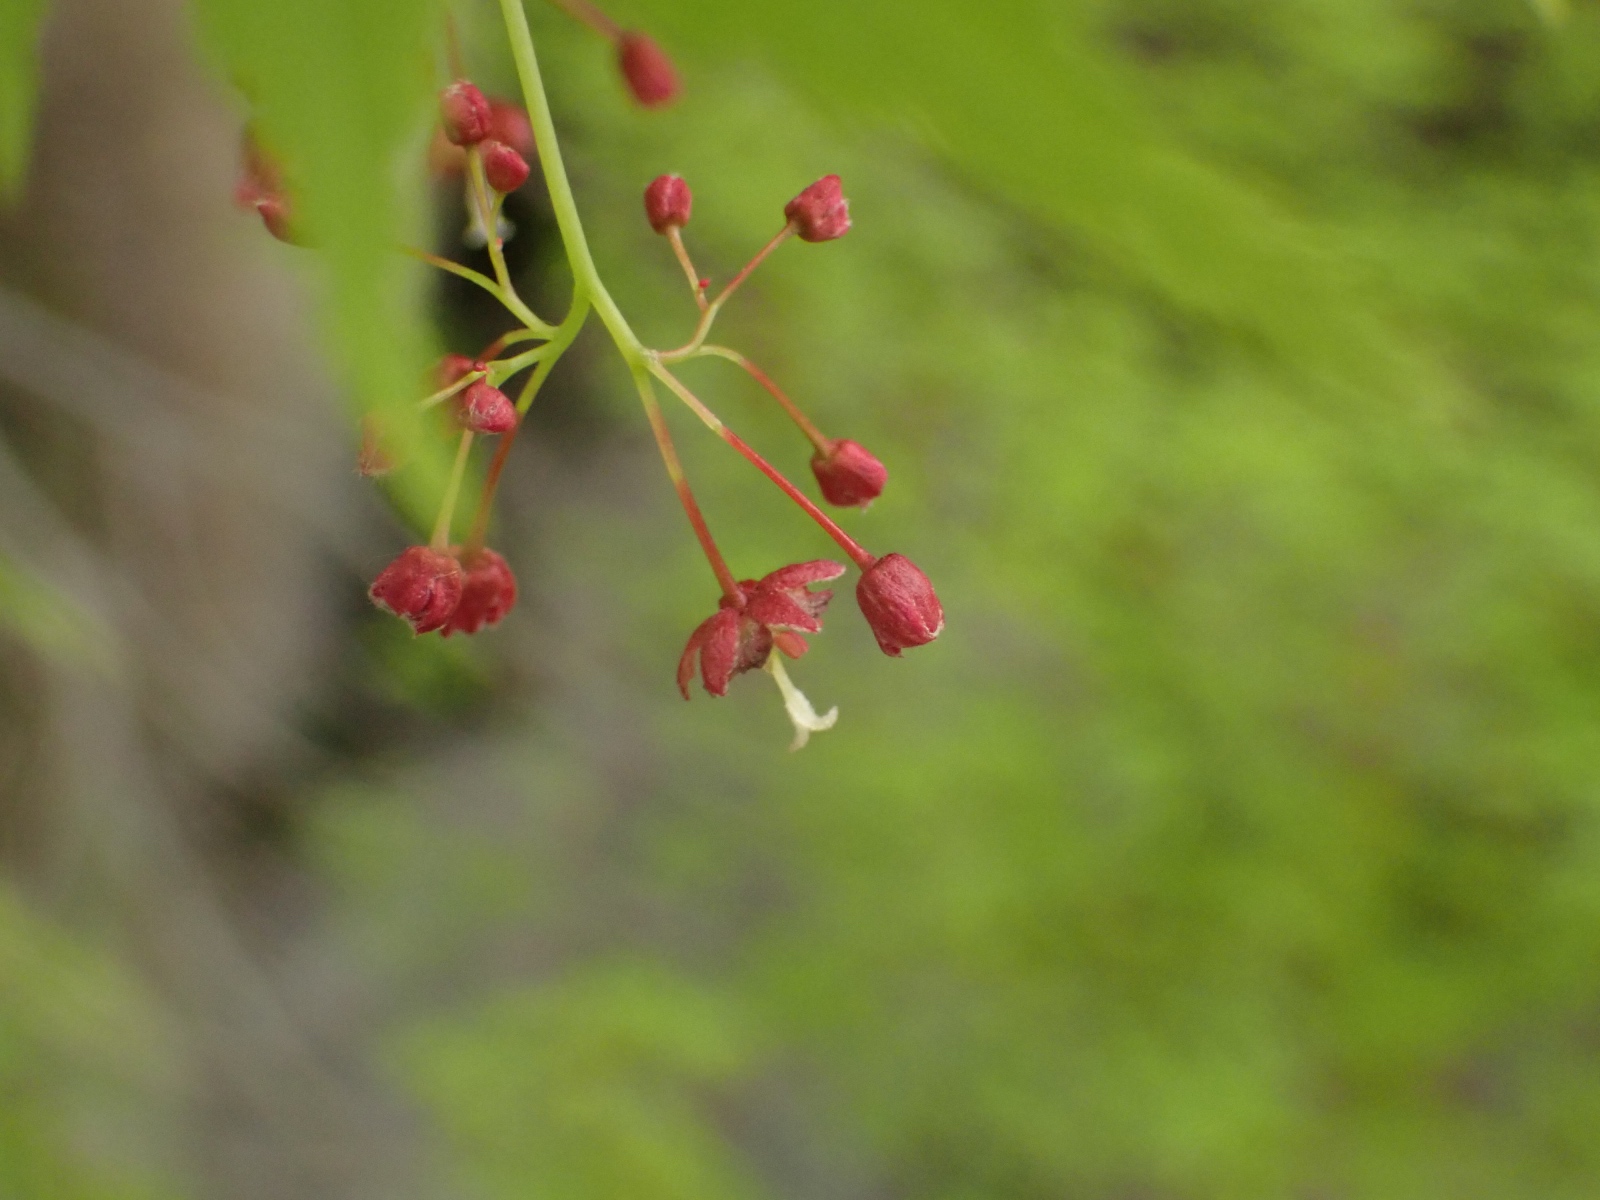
862,557
445,393
502,369
586,277
440,541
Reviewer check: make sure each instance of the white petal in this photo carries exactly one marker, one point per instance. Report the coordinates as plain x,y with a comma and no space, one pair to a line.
801,714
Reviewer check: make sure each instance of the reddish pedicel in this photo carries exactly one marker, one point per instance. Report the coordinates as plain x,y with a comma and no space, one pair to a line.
488,592
667,202
820,213
465,113
647,69
849,474
505,169
899,603
739,637
422,587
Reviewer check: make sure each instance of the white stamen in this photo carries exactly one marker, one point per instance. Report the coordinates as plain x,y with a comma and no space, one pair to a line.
801,714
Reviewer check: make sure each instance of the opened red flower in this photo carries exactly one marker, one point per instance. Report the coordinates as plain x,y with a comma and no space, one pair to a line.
739,636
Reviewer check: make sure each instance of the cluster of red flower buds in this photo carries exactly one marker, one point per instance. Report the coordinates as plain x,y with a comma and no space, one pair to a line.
448,587
756,616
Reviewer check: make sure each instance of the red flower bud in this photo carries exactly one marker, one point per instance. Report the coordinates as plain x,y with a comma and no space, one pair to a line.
488,592
505,169
465,113
486,409
422,587
509,123
820,213
899,604
849,474
667,202
647,69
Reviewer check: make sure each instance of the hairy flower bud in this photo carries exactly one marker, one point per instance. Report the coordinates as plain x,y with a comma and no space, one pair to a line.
667,202
899,603
849,474
488,592
422,587
483,408
820,213
503,167
465,113
647,69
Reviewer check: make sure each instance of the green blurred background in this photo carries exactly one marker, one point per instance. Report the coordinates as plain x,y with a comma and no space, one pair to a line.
1236,366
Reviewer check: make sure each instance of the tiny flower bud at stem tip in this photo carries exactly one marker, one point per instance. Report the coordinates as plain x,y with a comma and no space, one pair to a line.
465,113
667,203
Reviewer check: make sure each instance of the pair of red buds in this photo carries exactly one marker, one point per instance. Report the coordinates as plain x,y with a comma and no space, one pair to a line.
896,598
818,214
470,120
434,590
480,406
848,474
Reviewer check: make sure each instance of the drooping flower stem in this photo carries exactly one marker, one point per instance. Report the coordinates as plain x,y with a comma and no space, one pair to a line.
848,544
588,14
691,507
711,310
440,541
696,285
813,434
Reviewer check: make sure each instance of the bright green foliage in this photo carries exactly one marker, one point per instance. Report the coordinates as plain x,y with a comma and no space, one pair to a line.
20,22
1239,837
341,95
611,1070
45,619
78,1052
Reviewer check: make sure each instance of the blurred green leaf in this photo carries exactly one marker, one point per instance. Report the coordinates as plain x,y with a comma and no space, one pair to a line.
341,95
20,23
47,620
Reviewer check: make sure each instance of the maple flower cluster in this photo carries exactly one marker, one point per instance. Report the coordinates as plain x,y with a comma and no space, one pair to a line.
464,587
